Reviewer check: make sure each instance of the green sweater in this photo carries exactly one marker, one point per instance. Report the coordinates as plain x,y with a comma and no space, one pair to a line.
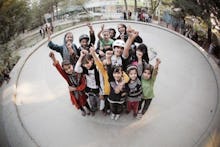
148,85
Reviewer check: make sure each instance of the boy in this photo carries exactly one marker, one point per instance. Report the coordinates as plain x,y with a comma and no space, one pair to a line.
76,84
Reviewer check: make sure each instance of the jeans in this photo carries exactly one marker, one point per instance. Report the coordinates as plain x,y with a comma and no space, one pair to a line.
146,105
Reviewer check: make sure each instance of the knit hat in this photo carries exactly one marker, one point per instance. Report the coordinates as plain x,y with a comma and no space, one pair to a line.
131,67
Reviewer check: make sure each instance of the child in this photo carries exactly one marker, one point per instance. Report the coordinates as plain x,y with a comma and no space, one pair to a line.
102,66
85,65
84,40
147,81
76,83
134,90
140,56
117,93
62,49
105,41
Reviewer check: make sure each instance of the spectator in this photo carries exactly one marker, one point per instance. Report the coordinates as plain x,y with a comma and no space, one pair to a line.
42,32
125,15
129,15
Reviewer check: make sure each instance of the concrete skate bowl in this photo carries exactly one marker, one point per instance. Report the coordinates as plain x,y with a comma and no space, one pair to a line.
183,113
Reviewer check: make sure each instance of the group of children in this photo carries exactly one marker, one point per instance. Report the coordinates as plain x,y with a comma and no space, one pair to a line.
114,77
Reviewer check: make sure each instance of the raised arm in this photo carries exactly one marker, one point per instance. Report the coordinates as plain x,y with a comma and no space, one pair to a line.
155,71
100,32
132,34
92,34
78,67
49,32
158,61
52,56
58,67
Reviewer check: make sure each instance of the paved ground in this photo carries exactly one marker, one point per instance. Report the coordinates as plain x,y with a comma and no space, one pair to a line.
36,109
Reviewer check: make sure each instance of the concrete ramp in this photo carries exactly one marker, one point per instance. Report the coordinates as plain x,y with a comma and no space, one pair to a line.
36,108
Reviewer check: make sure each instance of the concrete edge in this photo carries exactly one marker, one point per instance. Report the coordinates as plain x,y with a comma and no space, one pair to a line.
23,60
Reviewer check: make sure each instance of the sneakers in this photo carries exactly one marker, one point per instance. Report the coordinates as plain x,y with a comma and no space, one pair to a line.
83,113
139,115
117,116
108,111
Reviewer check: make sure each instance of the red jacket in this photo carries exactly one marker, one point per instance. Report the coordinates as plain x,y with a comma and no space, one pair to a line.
82,97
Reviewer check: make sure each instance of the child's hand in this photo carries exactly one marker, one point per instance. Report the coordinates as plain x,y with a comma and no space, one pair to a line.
101,97
129,30
51,54
49,32
92,49
90,26
83,53
102,27
108,54
158,61
71,88
132,33
101,53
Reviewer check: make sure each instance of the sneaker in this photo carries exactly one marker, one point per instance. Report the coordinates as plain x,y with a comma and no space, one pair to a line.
108,111
135,114
102,104
139,116
117,116
112,116
83,113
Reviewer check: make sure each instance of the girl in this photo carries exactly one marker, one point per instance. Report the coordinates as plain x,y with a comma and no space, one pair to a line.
85,65
117,93
76,83
147,81
64,51
134,90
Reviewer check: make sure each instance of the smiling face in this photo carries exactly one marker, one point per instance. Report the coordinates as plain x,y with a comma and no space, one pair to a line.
68,69
121,29
84,43
112,33
88,64
117,73
118,50
69,37
146,74
117,76
106,34
69,44
139,54
132,74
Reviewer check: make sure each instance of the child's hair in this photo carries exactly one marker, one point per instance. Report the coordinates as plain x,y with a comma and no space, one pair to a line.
148,67
112,29
66,62
131,67
117,69
143,48
106,30
87,58
123,25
